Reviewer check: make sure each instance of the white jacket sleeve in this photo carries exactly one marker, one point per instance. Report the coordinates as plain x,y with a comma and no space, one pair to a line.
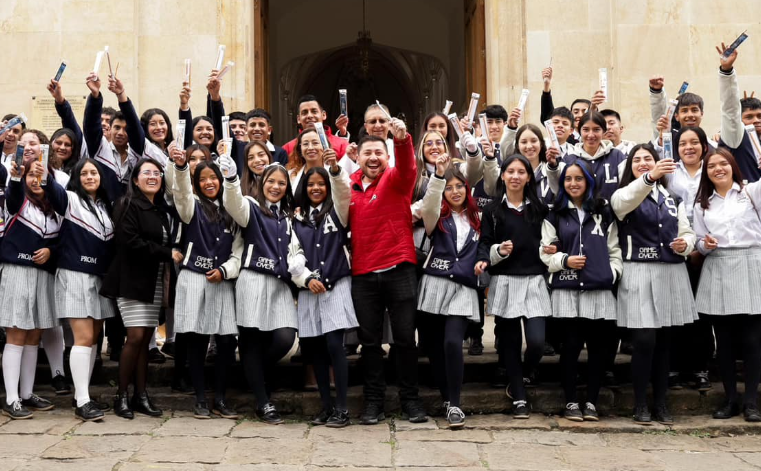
554,262
297,262
553,176
659,104
491,176
235,204
627,199
614,252
169,176
231,268
340,186
507,143
430,210
732,128
184,201
473,170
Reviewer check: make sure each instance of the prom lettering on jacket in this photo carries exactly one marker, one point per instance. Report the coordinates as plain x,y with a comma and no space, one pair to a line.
86,259
204,263
25,256
265,263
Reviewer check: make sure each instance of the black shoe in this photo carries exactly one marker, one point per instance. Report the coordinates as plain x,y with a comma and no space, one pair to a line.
572,412
675,383
155,356
520,410
702,383
16,411
414,412
89,412
201,411
590,413
627,348
35,402
60,385
642,416
500,378
182,387
727,411
104,406
372,414
609,381
223,410
549,350
322,417
530,381
662,415
751,413
455,417
476,347
269,415
168,349
338,419
122,407
350,349
142,403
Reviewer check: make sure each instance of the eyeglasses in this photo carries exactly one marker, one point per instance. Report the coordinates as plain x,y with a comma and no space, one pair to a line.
377,121
438,142
151,173
311,144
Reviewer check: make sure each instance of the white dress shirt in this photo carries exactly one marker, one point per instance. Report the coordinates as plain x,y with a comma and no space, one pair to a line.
732,220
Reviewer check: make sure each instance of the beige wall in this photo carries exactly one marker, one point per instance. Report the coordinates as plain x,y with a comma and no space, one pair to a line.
632,38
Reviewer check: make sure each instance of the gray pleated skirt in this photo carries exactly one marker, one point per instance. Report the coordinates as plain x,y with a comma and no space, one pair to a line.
264,302
139,314
202,307
27,297
322,313
438,295
654,295
76,296
513,296
730,282
593,304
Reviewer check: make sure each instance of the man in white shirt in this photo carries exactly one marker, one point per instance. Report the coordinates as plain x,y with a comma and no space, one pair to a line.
376,124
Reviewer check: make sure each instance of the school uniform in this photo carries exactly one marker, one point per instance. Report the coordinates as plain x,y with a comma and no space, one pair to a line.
200,306
733,134
655,288
684,185
27,289
606,166
87,248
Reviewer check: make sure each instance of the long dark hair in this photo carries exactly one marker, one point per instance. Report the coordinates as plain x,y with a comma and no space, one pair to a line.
706,187
41,201
286,202
591,203
302,195
250,181
706,149
536,210
75,185
451,133
534,129
628,175
470,203
134,192
76,149
146,117
214,139
213,212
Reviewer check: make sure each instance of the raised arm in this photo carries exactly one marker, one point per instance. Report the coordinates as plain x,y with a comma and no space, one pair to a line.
732,129
547,106
184,201
56,194
404,173
63,108
658,103
340,187
93,130
236,205
431,206
135,132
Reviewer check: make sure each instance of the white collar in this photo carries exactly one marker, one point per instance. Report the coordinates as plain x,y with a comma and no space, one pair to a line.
735,187
511,205
270,146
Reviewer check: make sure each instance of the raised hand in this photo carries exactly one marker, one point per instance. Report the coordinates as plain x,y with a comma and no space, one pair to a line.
656,82
726,63
56,91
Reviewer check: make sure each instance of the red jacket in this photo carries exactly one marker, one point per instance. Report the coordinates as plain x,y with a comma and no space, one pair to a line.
380,217
338,144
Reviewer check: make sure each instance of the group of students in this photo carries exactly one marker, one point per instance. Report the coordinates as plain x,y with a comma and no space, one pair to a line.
251,243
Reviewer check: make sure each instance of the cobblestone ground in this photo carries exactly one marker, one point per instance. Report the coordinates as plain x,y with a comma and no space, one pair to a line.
56,441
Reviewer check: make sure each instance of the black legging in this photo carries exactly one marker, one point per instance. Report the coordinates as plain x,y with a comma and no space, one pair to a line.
260,351
323,351
743,330
597,335
511,336
181,341
650,359
197,345
446,336
133,362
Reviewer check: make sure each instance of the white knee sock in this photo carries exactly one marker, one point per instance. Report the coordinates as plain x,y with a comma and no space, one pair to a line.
28,370
152,343
11,371
79,362
52,342
93,356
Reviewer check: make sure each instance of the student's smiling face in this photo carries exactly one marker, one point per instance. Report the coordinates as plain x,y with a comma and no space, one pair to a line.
689,116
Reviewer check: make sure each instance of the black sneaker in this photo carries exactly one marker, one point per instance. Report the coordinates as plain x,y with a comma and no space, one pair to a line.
520,410
201,411
590,412
500,378
322,417
702,383
269,415
476,347
455,417
104,406
155,356
338,419
223,410
414,412
530,381
642,416
17,411
572,412
662,415
372,414
751,413
675,383
35,402
60,385
609,381
727,411
89,412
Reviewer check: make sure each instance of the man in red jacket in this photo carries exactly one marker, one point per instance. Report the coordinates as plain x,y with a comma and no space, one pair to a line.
309,112
383,268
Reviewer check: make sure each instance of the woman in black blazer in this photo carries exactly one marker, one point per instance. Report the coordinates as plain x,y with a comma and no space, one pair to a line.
136,278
